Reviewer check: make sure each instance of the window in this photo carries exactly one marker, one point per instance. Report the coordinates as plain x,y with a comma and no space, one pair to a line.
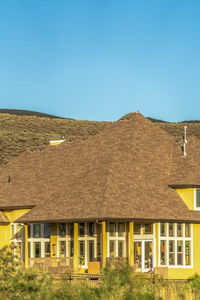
116,239
82,252
81,229
137,229
90,250
37,249
47,231
175,245
37,230
198,198
62,249
71,229
47,249
62,229
148,228
112,229
91,228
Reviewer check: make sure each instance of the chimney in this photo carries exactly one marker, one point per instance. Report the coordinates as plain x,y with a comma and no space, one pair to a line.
184,141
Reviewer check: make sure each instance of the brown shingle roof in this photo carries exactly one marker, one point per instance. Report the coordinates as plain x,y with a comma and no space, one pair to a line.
124,172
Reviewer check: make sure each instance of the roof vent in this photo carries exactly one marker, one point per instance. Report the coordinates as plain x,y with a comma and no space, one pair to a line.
9,179
184,141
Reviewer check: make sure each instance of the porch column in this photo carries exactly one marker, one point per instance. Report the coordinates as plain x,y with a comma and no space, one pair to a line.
130,243
26,245
104,243
53,240
75,246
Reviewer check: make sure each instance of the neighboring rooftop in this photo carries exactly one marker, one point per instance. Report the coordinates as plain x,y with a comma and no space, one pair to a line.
123,172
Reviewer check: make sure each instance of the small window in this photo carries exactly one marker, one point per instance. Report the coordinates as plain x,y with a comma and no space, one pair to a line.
81,229
112,248
197,198
179,252
91,250
148,228
37,249
137,229
37,230
47,230
162,229
171,253
179,230
62,229
171,230
121,248
187,230
121,229
163,253
71,250
91,228
62,248
188,253
71,229
82,252
112,229
29,231
47,249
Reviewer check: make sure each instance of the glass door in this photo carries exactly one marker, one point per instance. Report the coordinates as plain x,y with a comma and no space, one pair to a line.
143,255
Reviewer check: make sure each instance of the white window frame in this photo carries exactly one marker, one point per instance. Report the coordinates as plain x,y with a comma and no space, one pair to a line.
168,238
67,238
142,237
116,238
195,198
16,240
87,238
41,240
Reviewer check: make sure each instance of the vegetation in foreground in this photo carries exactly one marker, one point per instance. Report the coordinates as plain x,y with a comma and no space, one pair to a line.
119,282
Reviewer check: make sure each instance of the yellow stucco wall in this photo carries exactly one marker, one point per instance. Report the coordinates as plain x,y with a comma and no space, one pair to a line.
187,195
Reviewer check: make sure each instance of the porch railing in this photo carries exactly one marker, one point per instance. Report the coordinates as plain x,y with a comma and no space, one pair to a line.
61,264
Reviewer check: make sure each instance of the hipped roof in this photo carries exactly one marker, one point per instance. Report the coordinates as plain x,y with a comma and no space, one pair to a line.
124,172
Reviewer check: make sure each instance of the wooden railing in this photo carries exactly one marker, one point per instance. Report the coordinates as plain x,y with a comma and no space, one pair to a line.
53,264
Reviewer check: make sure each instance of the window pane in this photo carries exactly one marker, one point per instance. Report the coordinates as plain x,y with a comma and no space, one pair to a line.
148,259
29,249
112,248
36,230
82,252
91,228
62,229
37,249
29,231
19,231
19,249
91,250
148,229
179,230
71,229
47,249
179,252
47,230
171,230
121,229
81,229
163,252
71,248
197,198
62,248
120,248
162,229
187,230
171,253
137,229
188,253
138,254
112,229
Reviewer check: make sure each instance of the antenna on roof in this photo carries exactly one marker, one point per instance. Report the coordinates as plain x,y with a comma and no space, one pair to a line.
184,141
9,179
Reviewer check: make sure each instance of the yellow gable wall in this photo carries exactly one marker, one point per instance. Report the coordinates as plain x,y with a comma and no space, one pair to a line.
5,229
14,214
187,195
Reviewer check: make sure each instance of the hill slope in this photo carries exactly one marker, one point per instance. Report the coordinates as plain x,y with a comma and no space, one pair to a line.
18,133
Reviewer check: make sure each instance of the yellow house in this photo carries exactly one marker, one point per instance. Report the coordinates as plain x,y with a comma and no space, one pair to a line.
129,192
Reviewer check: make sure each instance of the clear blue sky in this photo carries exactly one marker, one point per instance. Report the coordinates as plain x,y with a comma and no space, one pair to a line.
100,59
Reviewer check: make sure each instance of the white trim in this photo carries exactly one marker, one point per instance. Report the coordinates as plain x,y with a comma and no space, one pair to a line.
167,238
116,238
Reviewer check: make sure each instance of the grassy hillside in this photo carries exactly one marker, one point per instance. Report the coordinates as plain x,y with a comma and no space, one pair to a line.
18,133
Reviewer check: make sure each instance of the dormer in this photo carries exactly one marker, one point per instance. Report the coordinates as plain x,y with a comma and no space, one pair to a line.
197,199
190,195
